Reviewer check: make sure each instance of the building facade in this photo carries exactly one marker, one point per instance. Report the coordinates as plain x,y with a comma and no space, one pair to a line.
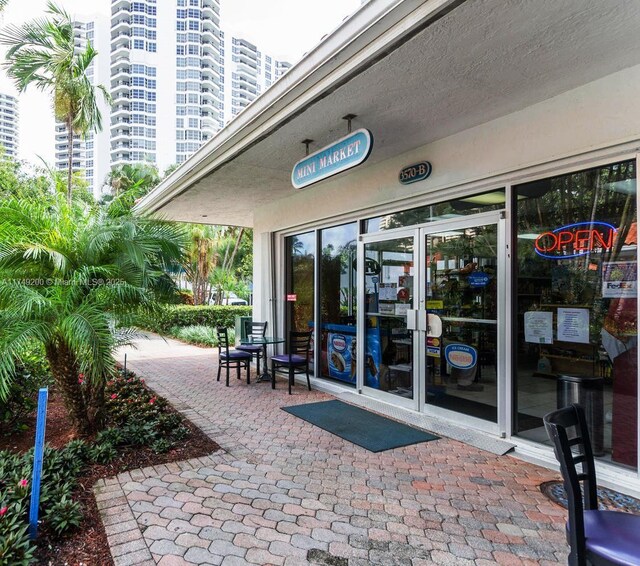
166,79
9,125
248,73
446,198
169,96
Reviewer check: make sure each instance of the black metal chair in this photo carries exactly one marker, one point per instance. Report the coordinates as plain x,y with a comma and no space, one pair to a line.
231,359
296,360
595,536
257,330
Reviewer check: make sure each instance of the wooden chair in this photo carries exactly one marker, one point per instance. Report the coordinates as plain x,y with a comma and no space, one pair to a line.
596,537
257,330
296,360
231,359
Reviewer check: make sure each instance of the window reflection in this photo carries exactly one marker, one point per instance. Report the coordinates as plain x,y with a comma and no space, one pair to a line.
300,286
338,302
484,202
577,304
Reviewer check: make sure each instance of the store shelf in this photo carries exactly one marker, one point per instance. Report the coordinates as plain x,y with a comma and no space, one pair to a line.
559,357
387,315
565,305
401,367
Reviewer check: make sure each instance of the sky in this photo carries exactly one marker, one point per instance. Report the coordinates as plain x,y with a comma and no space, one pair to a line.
284,28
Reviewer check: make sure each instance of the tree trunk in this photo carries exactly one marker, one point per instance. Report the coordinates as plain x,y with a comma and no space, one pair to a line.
232,258
64,369
94,399
70,162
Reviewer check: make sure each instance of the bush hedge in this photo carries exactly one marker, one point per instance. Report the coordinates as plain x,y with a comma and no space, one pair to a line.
200,335
169,317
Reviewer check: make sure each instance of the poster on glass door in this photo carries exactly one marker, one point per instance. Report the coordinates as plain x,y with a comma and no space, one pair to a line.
619,279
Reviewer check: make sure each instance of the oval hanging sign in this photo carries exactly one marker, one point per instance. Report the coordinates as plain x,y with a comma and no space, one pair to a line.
575,240
344,154
461,356
413,173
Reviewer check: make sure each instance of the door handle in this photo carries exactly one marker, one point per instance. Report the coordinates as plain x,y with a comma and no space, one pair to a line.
422,320
412,321
417,319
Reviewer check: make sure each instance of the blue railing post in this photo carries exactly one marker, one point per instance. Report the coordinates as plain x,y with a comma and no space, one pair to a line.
41,424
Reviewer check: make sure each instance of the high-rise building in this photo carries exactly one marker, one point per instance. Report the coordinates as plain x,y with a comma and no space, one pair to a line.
167,94
90,153
9,125
250,72
172,81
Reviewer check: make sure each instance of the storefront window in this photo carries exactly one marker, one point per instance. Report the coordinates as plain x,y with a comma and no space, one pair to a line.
300,253
338,302
576,277
493,200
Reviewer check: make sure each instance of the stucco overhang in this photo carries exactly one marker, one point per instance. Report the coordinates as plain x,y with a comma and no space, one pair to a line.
413,72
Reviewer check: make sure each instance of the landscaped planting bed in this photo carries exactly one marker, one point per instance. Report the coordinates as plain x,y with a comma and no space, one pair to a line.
142,430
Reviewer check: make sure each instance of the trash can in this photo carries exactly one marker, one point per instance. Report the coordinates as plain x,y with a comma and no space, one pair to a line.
240,327
587,391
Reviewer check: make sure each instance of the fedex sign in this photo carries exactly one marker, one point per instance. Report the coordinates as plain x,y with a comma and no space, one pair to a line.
575,240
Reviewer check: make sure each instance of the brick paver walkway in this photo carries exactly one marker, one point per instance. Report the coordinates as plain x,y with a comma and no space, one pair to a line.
285,492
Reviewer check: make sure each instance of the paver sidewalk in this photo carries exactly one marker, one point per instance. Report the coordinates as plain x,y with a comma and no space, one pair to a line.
287,493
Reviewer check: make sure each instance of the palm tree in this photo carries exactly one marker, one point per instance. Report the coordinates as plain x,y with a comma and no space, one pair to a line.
123,178
43,52
128,184
71,277
200,259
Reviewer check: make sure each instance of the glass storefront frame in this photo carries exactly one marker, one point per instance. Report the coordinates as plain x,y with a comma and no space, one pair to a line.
570,164
419,402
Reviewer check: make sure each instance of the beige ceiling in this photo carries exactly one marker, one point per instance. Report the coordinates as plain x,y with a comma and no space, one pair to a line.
483,60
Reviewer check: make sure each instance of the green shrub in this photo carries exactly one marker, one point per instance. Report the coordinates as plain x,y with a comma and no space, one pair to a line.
170,316
169,422
76,450
199,335
180,433
31,373
114,436
139,416
140,433
103,453
57,508
63,515
161,445
15,547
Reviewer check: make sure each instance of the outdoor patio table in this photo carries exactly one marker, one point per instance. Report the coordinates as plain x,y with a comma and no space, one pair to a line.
264,341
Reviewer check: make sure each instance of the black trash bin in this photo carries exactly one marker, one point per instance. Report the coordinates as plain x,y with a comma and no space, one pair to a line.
588,392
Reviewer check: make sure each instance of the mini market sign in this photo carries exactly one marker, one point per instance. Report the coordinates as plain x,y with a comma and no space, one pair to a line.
341,155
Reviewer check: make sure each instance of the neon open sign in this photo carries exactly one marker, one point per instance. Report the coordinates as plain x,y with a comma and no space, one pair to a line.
575,240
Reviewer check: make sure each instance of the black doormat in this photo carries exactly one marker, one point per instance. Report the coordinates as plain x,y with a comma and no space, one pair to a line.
366,429
608,499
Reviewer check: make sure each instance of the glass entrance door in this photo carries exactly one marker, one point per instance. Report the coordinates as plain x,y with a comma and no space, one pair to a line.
460,285
389,282
429,331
